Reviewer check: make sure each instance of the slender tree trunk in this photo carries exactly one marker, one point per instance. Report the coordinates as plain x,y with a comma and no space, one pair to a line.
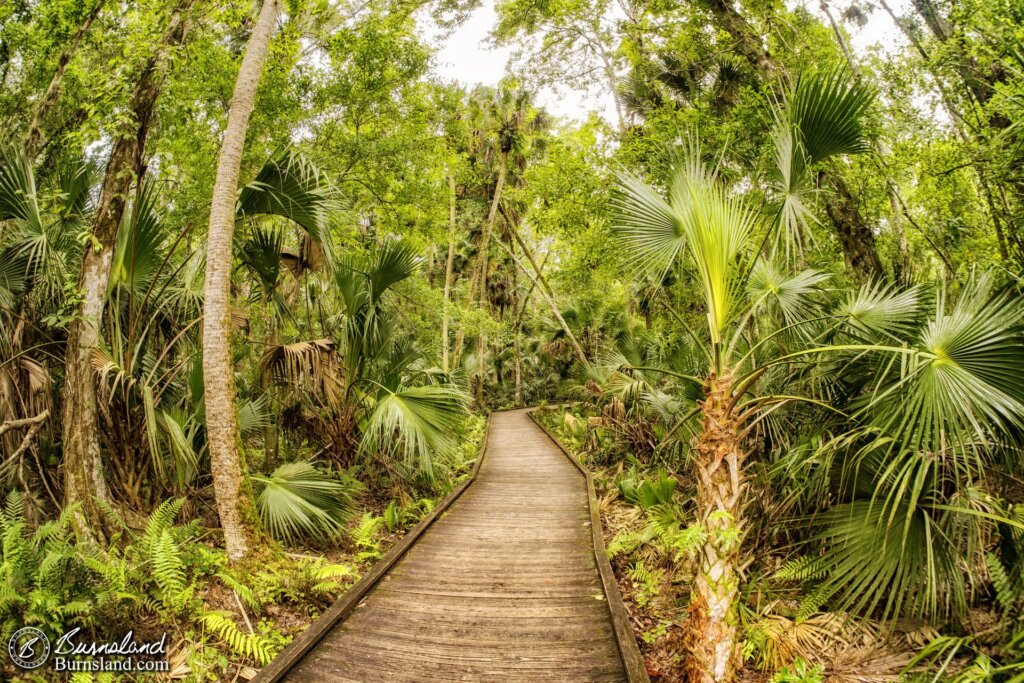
518,367
84,479
549,296
485,244
271,434
34,137
234,502
711,630
446,313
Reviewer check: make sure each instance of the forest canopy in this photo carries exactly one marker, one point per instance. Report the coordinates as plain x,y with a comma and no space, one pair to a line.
265,271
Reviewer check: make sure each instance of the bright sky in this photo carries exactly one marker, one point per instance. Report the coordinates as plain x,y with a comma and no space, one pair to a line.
467,57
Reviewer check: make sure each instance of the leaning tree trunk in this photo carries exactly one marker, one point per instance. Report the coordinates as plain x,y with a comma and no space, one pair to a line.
446,313
855,237
540,283
234,502
34,137
711,631
85,484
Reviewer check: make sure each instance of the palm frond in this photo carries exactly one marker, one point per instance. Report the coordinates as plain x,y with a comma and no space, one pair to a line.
300,500
827,109
290,186
416,421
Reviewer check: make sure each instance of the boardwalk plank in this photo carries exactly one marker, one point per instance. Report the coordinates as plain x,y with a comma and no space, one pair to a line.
503,586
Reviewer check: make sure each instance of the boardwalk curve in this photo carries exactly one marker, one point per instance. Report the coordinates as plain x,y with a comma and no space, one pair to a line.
504,585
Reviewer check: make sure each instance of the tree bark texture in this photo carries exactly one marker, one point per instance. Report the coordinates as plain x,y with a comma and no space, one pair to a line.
234,502
84,479
711,630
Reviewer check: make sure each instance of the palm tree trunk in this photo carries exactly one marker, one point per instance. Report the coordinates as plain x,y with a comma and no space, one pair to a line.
446,313
34,137
84,479
711,631
234,502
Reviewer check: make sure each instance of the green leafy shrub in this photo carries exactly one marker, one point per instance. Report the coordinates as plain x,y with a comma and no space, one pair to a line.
300,500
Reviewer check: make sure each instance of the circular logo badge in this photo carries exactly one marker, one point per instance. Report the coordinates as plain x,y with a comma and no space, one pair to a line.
29,647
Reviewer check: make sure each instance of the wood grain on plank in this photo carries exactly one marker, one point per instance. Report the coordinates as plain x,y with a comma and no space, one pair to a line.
503,586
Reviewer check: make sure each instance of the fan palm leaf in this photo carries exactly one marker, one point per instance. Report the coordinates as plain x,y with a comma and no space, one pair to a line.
418,422
299,500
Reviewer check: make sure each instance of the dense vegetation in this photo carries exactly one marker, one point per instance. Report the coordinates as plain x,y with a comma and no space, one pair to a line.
263,272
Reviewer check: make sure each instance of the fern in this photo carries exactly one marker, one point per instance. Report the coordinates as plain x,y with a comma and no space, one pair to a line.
803,569
812,602
365,537
244,592
1009,590
247,645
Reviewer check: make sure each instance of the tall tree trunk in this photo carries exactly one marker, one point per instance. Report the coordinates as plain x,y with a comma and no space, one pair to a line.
271,433
711,630
485,244
34,137
446,313
234,502
84,479
746,41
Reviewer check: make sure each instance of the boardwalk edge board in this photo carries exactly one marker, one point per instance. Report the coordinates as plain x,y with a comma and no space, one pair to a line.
350,599
632,660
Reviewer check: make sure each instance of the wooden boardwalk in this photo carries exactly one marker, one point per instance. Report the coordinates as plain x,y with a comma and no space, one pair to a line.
505,585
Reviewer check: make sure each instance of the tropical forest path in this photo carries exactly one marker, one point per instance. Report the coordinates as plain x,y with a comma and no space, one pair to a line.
503,586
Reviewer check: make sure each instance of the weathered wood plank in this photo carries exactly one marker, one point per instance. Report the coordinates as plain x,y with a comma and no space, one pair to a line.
502,583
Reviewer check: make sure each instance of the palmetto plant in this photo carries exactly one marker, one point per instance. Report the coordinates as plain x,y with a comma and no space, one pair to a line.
364,386
820,117
299,500
925,399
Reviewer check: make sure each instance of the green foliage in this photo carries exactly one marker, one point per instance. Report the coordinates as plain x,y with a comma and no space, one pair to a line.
648,492
365,536
246,645
800,672
300,500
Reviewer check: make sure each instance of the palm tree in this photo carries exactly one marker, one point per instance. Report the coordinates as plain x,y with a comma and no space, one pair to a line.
506,121
234,503
960,373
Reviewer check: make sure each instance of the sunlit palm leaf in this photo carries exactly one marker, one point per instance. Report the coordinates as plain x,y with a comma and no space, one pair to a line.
711,225
789,295
415,421
880,313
